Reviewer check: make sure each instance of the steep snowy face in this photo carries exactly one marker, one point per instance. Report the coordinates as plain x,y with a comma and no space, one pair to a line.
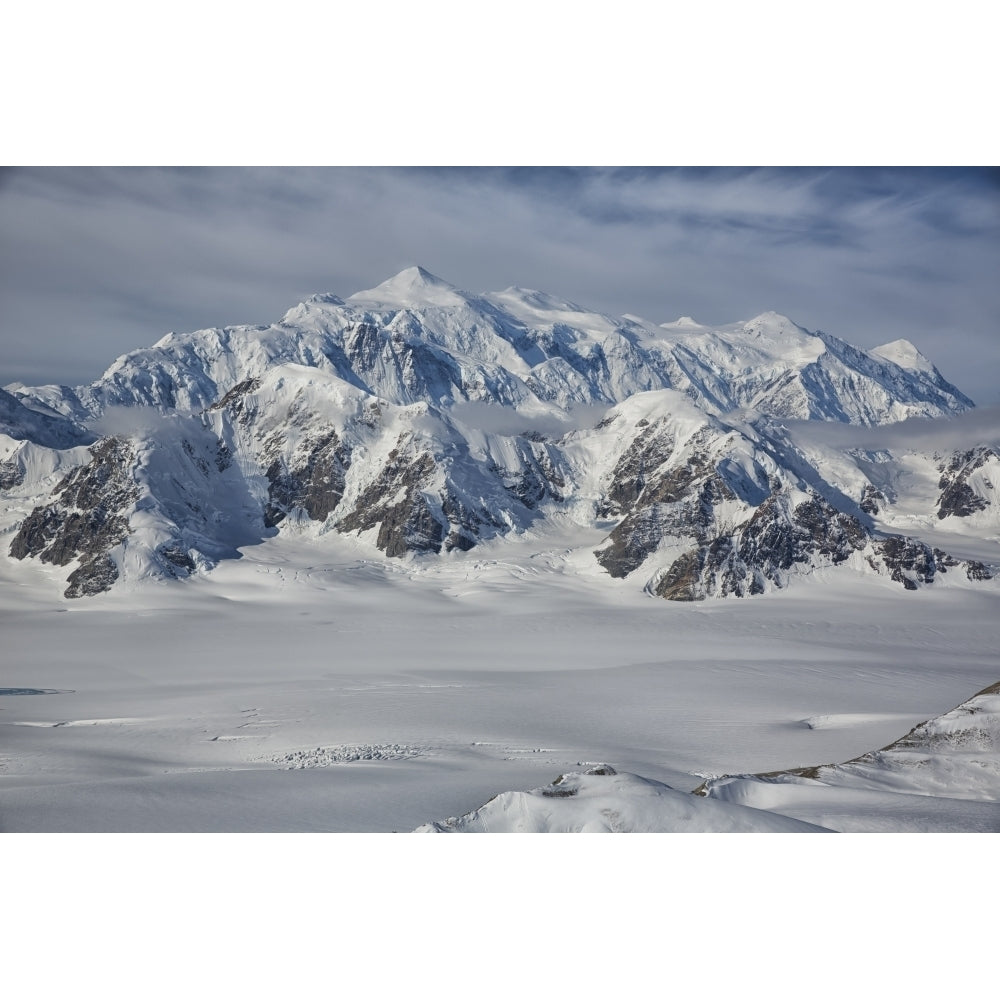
424,420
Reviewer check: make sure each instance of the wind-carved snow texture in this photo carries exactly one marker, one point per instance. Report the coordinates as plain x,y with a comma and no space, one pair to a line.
423,421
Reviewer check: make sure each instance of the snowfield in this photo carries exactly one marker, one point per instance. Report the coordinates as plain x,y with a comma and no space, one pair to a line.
288,690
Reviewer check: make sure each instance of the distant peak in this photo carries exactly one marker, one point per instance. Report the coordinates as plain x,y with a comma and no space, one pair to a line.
683,323
536,299
419,275
412,286
770,318
901,352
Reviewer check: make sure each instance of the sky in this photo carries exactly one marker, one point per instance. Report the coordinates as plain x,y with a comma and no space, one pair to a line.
95,262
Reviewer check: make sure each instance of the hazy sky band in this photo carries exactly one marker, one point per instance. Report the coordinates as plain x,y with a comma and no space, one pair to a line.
96,262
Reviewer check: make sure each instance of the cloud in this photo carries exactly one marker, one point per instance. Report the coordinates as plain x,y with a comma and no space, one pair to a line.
979,426
501,420
138,421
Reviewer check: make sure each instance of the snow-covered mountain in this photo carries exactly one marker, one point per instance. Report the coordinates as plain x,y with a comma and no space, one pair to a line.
422,420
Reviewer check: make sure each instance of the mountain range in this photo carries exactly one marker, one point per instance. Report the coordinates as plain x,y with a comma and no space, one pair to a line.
421,422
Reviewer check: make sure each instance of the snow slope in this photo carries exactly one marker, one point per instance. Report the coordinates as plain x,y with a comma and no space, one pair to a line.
943,776
600,800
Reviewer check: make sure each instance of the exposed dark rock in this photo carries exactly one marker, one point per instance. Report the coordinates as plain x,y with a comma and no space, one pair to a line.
647,452
872,500
104,480
314,483
958,499
943,561
93,577
538,480
465,523
11,475
199,463
87,518
364,344
238,390
659,500
908,560
682,581
765,548
408,524
177,558
975,570
458,540
632,542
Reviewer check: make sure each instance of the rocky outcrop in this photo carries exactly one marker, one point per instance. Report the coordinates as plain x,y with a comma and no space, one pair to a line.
873,500
537,478
908,560
93,577
396,502
958,499
11,475
86,519
660,497
777,537
232,397
312,480
976,570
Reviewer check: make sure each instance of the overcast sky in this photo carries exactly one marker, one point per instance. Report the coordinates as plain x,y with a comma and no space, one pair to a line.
97,262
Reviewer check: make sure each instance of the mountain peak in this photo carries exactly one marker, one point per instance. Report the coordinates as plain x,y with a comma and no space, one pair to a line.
417,275
901,352
682,323
772,320
412,286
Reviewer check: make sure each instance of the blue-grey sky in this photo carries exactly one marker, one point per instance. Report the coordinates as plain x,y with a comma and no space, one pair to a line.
96,262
